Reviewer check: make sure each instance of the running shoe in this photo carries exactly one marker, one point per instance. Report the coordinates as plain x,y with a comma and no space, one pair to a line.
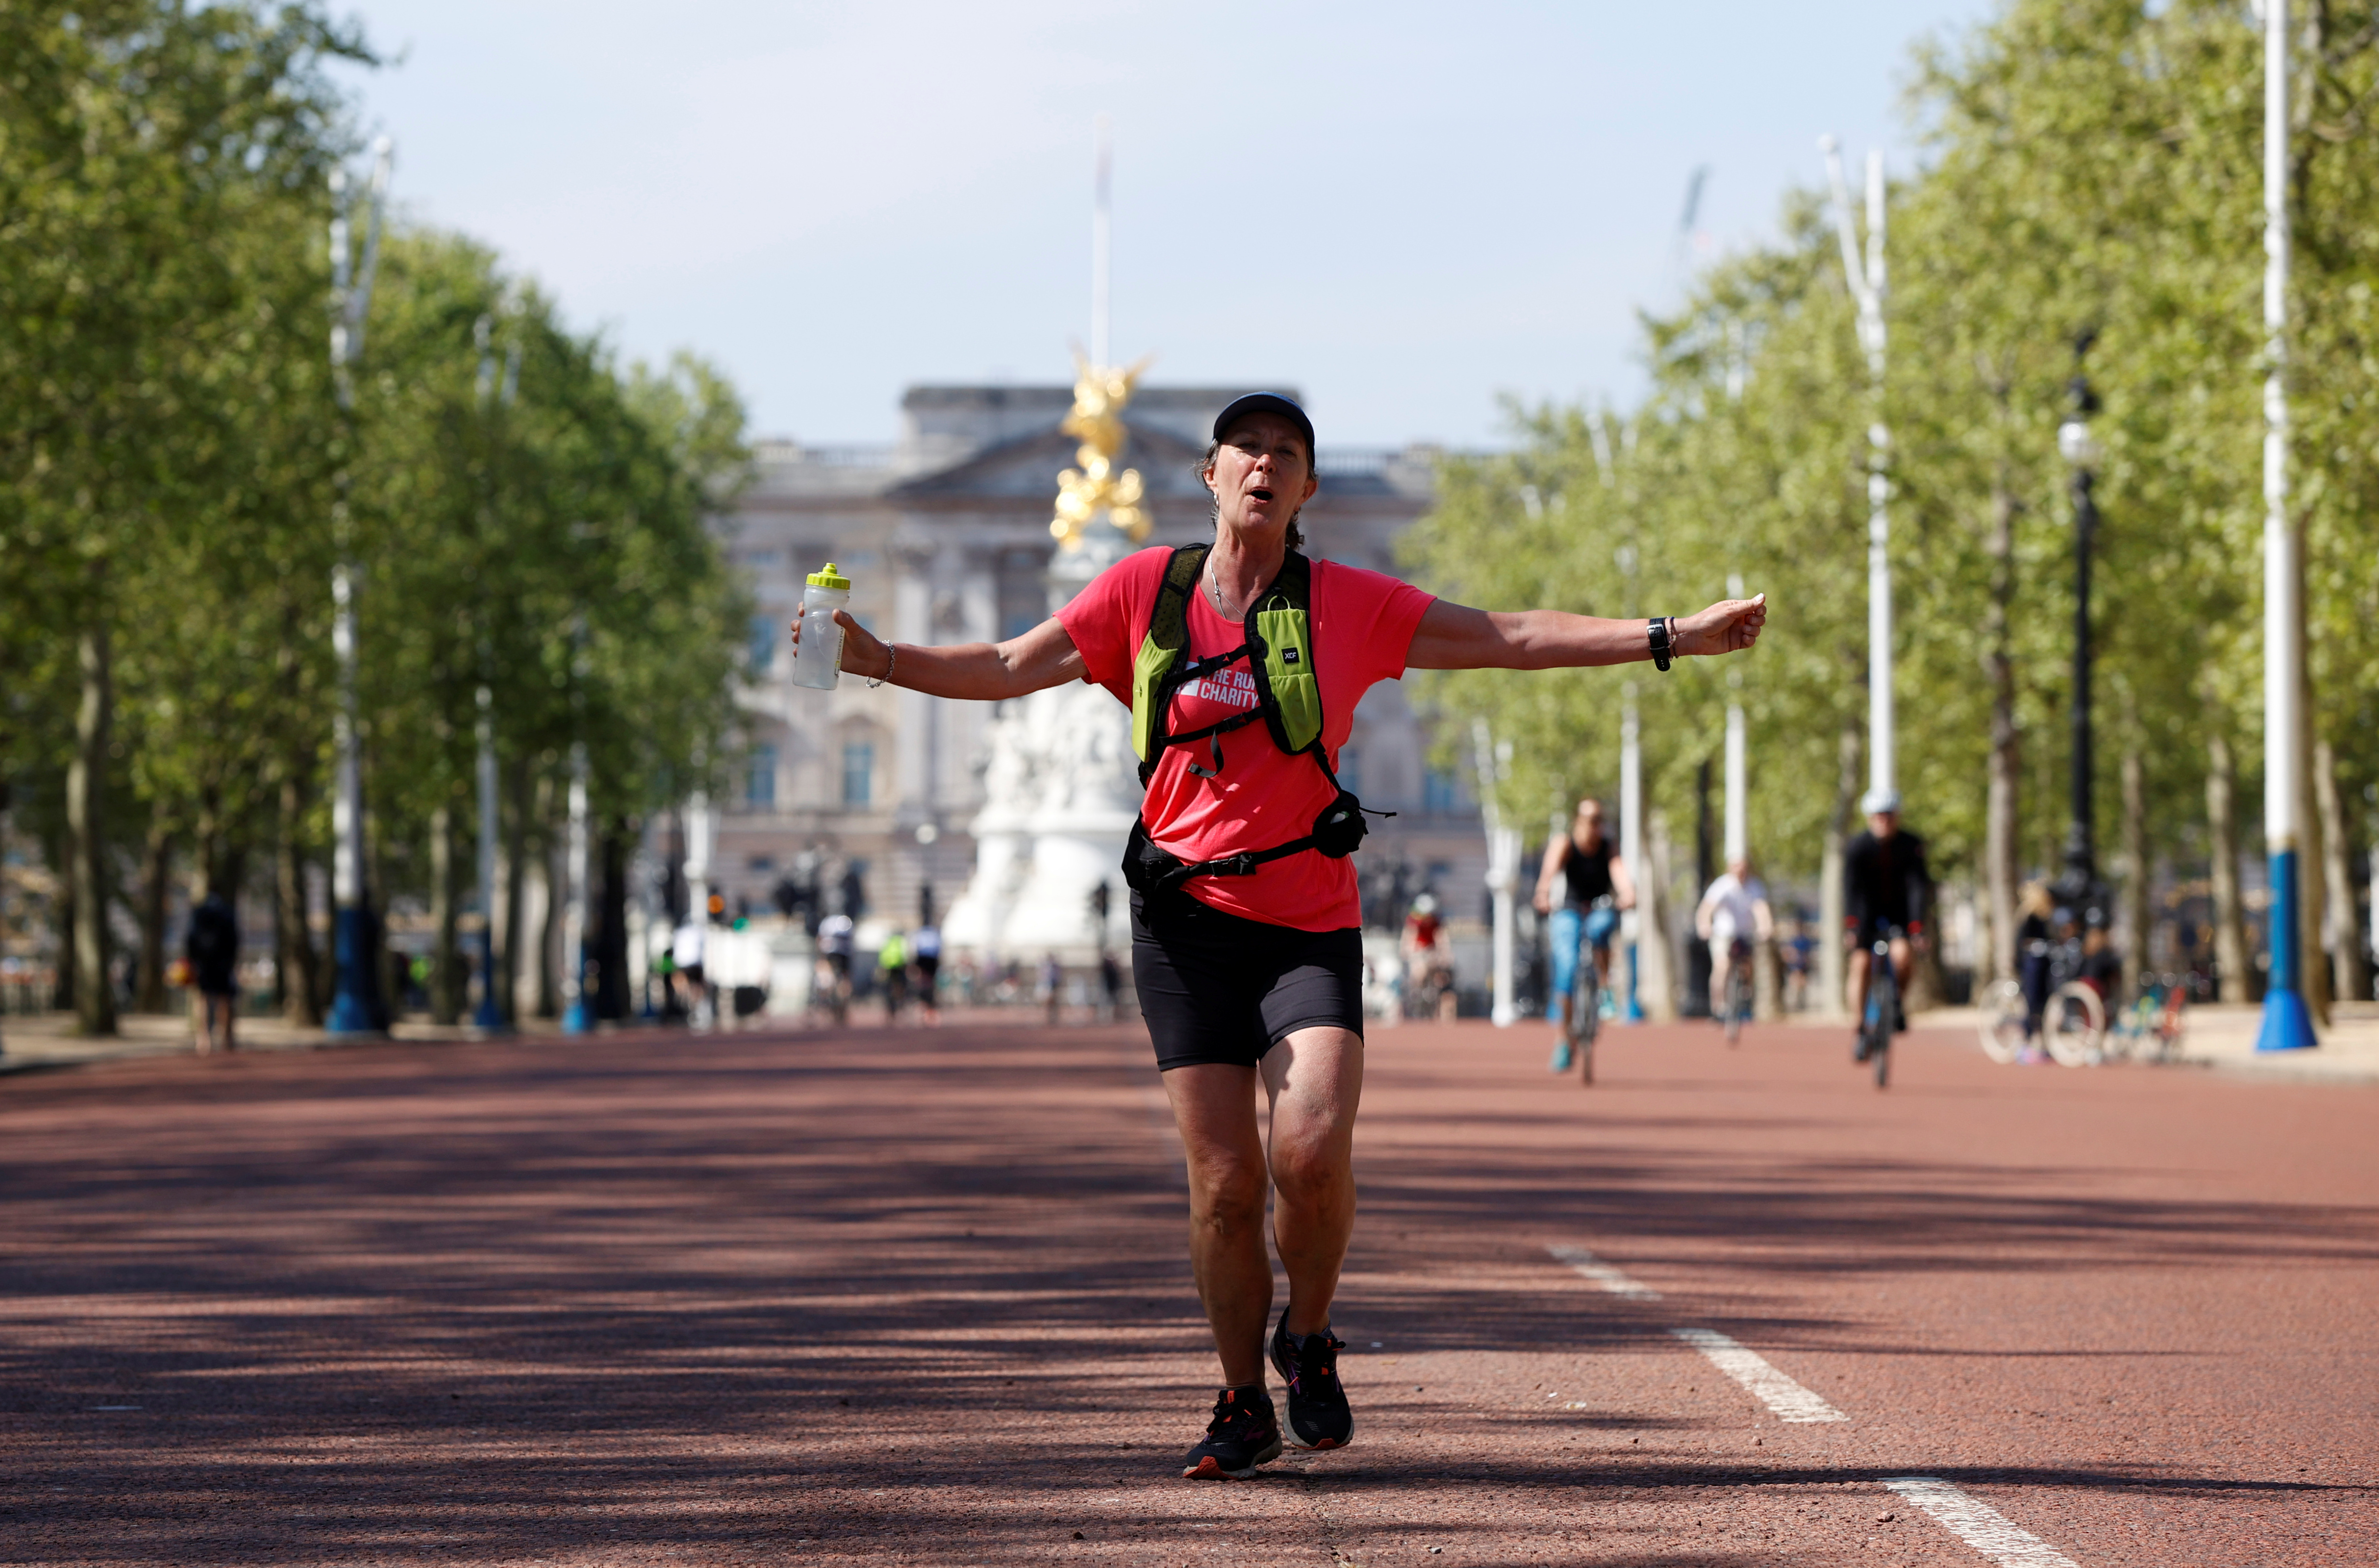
1606,1005
1243,1434
1318,1417
1561,1055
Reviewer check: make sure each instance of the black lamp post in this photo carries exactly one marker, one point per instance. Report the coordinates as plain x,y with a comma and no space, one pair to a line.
2079,888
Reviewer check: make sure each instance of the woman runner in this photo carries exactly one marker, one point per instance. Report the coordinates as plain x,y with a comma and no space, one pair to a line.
1248,950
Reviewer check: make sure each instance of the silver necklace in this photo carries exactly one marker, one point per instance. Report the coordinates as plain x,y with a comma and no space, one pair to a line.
1214,592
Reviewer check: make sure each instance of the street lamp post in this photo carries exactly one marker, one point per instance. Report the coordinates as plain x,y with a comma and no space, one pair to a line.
356,1006
2079,887
2286,1025
1866,285
490,1017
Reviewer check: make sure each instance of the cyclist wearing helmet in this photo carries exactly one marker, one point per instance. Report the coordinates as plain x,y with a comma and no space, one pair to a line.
1885,887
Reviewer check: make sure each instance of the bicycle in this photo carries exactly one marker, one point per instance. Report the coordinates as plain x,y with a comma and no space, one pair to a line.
2073,1026
2006,1021
1585,1019
1882,1010
2153,1027
1736,1006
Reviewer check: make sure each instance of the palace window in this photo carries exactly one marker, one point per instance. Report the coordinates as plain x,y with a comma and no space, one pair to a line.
858,773
760,788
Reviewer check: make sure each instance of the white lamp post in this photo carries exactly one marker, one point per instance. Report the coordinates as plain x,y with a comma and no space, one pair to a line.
1866,284
2286,1025
355,1007
491,1014
1494,761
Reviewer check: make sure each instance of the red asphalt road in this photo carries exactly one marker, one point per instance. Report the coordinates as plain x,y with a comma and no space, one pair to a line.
920,1295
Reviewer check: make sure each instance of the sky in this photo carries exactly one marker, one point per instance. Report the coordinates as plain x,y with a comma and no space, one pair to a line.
1405,211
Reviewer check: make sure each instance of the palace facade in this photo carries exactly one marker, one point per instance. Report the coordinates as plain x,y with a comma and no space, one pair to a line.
944,536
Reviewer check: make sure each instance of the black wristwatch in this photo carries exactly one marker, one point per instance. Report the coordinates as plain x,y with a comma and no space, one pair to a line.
1663,648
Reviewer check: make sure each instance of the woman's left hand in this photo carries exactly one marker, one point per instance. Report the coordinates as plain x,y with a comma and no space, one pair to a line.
1728,626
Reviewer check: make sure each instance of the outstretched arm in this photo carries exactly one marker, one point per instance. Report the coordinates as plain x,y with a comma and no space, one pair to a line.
986,671
1454,636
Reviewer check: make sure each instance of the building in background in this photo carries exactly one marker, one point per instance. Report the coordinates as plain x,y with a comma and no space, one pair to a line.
946,538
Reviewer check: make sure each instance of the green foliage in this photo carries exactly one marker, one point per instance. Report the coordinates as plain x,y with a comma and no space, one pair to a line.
2090,168
172,460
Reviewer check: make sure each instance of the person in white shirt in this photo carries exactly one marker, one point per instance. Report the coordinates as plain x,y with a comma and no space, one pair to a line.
686,953
1732,915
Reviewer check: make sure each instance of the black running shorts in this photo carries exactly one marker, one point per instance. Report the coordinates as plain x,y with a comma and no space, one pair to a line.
1215,987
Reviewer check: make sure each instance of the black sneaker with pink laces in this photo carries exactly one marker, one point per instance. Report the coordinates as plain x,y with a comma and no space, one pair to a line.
1243,1434
1318,1416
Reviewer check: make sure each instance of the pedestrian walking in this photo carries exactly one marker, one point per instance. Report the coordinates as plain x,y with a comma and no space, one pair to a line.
1243,660
686,952
1110,987
211,945
1052,988
926,958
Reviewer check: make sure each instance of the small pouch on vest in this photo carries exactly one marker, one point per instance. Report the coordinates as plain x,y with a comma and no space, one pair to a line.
1147,869
1338,831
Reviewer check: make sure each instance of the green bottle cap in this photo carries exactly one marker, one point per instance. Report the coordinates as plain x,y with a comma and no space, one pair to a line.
829,578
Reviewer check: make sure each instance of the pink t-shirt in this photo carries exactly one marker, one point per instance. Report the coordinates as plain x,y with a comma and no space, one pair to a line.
1363,625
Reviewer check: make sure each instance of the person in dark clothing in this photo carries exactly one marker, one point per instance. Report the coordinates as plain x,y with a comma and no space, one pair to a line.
1885,891
212,947
2034,940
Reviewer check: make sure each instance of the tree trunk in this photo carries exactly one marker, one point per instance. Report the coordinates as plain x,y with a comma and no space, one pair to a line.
2000,855
1656,960
548,947
446,963
2234,977
2313,956
612,926
300,982
86,788
515,897
156,891
2349,967
62,971
1833,972
2135,869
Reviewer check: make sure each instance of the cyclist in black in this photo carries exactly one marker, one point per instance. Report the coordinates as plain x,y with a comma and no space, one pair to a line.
1584,868
1885,891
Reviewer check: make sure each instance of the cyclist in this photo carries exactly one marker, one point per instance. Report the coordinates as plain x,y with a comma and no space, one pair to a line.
1429,970
1586,867
1885,887
1734,914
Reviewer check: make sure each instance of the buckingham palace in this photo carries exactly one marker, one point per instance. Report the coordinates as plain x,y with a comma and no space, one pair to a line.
871,795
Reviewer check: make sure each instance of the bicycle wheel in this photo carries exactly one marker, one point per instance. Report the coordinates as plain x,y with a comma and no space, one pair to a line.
1586,1004
2003,1014
2075,1027
1884,997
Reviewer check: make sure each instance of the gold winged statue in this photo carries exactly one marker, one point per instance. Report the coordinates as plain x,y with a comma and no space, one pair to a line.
1100,394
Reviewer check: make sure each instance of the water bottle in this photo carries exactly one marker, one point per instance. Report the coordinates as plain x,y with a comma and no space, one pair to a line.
819,660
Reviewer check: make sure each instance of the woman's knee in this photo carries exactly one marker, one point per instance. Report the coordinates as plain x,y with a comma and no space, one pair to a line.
1308,1172
1227,1192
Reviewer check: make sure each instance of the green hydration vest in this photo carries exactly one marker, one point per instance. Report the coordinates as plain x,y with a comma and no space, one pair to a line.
1279,649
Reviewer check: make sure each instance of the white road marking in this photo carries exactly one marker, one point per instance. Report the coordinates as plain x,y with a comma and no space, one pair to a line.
1979,1525
1788,1399
1603,1274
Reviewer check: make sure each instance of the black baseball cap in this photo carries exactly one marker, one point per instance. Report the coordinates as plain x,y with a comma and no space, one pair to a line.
1266,403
